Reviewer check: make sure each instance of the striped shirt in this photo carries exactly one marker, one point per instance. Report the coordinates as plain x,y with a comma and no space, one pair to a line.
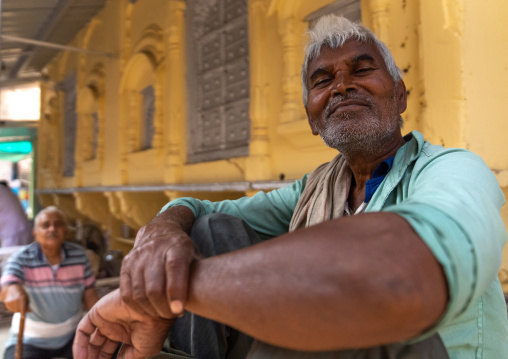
56,296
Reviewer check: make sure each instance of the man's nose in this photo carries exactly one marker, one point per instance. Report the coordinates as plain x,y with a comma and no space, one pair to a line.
342,84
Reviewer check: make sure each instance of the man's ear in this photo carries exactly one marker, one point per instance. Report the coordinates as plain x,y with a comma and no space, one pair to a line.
401,97
311,124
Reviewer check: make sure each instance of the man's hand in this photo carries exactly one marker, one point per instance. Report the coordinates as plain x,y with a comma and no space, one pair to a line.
155,273
111,322
15,298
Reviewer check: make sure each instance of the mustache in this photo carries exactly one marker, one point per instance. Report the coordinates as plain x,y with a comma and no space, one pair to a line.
338,99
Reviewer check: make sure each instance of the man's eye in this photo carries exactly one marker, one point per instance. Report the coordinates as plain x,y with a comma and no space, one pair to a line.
364,70
321,81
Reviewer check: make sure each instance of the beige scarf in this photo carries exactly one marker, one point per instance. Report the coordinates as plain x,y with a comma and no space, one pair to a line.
324,196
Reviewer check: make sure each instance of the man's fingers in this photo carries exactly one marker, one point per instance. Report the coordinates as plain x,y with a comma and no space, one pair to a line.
126,291
155,285
139,293
177,277
82,338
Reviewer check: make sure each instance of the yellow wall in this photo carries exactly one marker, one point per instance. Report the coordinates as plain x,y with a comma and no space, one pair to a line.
453,54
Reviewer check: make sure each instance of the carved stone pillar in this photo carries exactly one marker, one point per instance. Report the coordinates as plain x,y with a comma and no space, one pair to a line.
259,162
81,139
157,140
127,36
291,47
102,131
133,125
380,20
175,80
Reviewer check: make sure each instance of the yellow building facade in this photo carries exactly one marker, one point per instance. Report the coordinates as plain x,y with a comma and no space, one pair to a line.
123,134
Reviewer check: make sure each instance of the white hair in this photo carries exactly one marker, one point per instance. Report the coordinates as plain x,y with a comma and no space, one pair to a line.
333,31
50,209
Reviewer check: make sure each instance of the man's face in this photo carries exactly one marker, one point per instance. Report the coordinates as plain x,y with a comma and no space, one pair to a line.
353,103
50,230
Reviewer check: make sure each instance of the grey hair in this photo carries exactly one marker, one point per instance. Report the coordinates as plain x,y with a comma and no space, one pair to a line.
50,209
333,31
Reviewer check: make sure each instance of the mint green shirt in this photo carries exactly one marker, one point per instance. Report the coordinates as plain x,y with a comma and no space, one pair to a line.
453,201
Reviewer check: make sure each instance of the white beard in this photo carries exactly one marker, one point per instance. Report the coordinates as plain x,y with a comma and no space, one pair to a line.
356,136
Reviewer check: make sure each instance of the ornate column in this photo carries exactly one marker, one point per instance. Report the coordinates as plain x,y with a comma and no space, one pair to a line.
81,151
175,89
259,166
380,20
102,130
291,86
127,36
133,120
158,121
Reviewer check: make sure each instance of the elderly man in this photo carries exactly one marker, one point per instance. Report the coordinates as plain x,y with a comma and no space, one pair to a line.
51,279
388,251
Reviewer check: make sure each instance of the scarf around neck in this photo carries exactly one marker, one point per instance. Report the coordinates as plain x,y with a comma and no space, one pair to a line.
324,195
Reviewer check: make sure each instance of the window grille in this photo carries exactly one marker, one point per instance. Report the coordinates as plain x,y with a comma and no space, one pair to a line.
68,87
218,79
147,124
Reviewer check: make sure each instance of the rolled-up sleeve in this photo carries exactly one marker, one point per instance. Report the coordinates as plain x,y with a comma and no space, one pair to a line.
453,203
12,272
269,214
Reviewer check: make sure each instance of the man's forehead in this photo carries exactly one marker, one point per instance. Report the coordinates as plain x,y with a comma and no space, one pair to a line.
50,216
350,51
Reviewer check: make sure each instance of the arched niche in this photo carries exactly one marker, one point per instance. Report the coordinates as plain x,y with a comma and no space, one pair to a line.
137,92
91,127
141,112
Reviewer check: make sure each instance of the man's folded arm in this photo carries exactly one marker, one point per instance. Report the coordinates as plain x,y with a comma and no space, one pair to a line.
349,283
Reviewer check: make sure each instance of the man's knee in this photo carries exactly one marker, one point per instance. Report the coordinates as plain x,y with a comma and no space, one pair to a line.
220,233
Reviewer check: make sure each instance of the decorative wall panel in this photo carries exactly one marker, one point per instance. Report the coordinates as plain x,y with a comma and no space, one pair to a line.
218,79
68,87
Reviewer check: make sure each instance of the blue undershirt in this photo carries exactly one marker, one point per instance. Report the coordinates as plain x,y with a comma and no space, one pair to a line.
377,177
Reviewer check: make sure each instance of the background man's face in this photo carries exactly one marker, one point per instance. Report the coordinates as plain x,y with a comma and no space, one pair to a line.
353,103
50,230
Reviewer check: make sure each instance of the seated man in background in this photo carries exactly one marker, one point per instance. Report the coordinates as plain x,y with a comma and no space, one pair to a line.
15,228
391,250
52,279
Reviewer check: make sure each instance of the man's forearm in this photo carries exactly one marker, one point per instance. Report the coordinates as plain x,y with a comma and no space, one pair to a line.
349,283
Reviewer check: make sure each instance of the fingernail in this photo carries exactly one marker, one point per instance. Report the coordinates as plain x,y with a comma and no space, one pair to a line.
176,306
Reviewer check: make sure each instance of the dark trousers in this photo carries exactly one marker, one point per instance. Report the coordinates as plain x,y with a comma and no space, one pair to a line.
31,352
195,337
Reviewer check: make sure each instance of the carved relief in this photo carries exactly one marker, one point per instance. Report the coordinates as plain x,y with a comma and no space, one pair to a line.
380,19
